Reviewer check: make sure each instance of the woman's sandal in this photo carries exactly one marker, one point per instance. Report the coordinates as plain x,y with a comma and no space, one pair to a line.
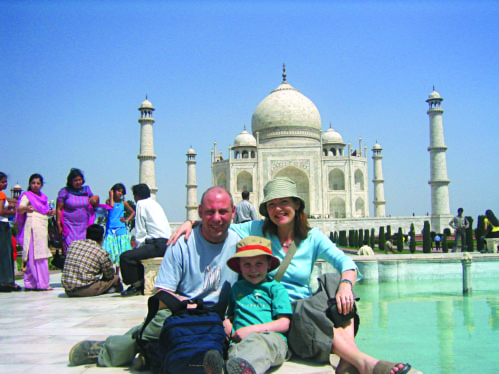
384,367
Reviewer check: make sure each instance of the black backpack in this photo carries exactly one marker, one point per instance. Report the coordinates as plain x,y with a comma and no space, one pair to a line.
185,337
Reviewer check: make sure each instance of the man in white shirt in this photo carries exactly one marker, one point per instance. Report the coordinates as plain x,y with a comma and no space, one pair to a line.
245,211
152,231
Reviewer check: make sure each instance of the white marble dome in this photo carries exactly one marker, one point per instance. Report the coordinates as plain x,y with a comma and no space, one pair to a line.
332,136
245,139
146,104
434,95
286,113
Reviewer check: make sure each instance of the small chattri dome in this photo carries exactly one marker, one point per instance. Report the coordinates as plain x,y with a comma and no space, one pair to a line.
377,147
191,151
332,136
434,95
17,187
245,139
146,104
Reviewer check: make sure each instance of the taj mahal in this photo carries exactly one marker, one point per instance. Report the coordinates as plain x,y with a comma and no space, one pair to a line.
287,140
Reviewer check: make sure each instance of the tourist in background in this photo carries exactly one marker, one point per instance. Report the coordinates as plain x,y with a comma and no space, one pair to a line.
492,231
32,215
6,251
152,231
117,239
459,224
365,250
87,270
389,246
75,208
245,211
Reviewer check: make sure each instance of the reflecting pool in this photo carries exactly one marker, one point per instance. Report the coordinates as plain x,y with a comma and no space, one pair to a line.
431,325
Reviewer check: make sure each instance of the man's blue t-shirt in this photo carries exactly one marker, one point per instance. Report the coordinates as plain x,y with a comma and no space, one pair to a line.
198,269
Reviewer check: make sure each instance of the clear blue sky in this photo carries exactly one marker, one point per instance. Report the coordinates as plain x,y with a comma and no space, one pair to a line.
73,73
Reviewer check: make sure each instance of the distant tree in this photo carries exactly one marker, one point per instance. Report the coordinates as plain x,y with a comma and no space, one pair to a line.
412,242
388,232
351,238
331,236
470,243
342,240
445,244
426,237
381,238
366,235
336,237
479,233
361,238
400,240
372,238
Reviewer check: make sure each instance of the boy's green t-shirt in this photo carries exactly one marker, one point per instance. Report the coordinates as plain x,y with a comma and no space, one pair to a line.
254,304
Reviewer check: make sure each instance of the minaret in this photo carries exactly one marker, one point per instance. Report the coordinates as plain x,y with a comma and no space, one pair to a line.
147,156
439,182
379,190
192,194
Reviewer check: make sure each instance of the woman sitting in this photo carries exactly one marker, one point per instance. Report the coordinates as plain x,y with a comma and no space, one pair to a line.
285,223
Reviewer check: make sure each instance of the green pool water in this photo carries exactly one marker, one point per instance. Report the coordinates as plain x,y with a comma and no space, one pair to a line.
431,325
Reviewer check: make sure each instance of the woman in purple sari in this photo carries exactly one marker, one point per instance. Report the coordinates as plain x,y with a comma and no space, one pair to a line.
75,208
32,215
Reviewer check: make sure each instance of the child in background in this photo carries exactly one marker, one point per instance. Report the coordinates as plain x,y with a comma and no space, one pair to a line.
259,313
117,239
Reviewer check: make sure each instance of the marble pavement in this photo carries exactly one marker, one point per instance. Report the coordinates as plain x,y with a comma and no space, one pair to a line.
37,330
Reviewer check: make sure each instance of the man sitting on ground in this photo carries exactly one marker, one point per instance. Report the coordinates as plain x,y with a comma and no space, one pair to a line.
88,271
152,231
195,269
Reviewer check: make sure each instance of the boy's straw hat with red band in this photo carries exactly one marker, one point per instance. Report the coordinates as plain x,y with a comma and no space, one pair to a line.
252,246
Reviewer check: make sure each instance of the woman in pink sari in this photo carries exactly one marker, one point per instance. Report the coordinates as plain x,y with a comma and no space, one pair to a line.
32,215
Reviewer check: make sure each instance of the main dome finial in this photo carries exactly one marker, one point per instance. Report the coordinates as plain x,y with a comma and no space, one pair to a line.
284,73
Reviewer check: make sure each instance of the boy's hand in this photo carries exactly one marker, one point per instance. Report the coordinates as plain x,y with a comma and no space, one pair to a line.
242,333
227,327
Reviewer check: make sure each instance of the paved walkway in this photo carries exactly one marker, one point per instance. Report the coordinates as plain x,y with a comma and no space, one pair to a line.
37,330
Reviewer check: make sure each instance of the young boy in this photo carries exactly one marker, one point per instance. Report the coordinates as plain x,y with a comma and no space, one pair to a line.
259,313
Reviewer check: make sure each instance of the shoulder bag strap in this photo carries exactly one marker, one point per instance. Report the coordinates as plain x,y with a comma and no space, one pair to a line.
287,259
168,299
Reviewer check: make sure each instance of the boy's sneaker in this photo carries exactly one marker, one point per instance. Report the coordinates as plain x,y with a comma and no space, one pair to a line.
213,362
238,365
85,352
